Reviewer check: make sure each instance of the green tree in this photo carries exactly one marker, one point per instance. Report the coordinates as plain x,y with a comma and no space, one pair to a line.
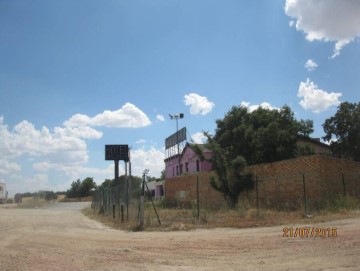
81,188
86,187
231,178
260,136
74,190
343,131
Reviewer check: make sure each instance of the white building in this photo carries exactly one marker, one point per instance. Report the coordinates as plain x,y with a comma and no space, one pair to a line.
3,193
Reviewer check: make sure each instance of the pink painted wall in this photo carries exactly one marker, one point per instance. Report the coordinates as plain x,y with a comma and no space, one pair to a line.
188,163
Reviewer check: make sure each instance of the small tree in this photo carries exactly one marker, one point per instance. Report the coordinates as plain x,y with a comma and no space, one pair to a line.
231,178
81,188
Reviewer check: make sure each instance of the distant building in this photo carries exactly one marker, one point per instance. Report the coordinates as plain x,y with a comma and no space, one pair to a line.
187,162
3,193
315,145
156,189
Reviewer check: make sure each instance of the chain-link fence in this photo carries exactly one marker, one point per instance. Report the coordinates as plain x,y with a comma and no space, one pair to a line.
121,201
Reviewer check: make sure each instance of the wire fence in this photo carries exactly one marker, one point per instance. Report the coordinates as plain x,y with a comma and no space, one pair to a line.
310,192
192,197
121,201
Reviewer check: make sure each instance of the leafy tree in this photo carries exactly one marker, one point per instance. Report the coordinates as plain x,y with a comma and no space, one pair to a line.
86,186
260,136
243,137
73,192
232,178
343,131
81,188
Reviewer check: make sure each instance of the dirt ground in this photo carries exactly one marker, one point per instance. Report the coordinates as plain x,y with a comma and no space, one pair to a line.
60,237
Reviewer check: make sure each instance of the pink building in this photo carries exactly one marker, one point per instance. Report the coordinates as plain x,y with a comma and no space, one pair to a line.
187,162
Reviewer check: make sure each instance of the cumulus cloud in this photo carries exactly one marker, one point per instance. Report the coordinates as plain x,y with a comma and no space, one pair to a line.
199,105
315,99
199,138
326,20
310,65
252,108
160,117
152,159
128,116
63,150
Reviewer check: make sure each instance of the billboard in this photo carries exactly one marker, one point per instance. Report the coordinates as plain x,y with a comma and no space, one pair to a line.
175,138
117,152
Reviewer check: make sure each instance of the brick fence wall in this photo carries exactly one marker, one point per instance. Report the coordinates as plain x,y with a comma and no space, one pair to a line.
280,184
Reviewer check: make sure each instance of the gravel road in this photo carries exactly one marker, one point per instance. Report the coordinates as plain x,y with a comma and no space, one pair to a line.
60,237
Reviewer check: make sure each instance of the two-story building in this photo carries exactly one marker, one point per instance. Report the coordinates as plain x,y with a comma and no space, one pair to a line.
187,162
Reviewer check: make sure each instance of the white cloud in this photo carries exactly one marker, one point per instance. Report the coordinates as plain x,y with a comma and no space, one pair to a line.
198,104
339,45
141,141
326,20
8,167
315,99
128,116
199,138
152,159
310,65
252,108
160,117
63,150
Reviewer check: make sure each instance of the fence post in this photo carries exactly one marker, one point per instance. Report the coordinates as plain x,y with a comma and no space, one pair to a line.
257,194
305,201
122,213
197,196
343,182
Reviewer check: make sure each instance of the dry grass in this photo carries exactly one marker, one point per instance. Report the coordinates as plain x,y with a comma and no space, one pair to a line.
34,203
82,199
186,219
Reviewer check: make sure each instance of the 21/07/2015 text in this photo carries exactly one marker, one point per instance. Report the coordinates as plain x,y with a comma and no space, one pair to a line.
310,232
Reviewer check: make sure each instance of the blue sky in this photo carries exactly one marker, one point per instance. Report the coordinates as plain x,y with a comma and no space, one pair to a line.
76,75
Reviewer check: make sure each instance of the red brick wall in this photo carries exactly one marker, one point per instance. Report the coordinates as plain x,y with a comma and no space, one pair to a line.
279,184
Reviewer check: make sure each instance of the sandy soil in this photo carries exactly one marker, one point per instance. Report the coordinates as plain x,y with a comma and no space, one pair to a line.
60,237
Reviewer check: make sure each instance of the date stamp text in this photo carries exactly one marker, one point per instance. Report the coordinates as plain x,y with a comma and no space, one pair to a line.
310,232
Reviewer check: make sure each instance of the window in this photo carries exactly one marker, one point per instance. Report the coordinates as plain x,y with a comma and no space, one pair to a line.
181,169
197,165
187,167
177,170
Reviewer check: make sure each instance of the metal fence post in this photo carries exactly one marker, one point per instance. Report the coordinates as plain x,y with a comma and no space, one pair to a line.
343,183
305,201
257,194
197,196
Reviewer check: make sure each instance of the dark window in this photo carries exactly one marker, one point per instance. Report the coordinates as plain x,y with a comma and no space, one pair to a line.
177,170
187,167
173,171
197,166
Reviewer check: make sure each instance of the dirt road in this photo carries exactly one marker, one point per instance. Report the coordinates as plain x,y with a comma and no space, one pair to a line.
62,238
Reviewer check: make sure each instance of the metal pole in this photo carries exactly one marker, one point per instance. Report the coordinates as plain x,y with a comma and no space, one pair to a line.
116,170
153,204
257,194
126,192
142,204
305,201
197,196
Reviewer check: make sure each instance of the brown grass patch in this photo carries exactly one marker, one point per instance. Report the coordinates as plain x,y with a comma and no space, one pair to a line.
186,219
